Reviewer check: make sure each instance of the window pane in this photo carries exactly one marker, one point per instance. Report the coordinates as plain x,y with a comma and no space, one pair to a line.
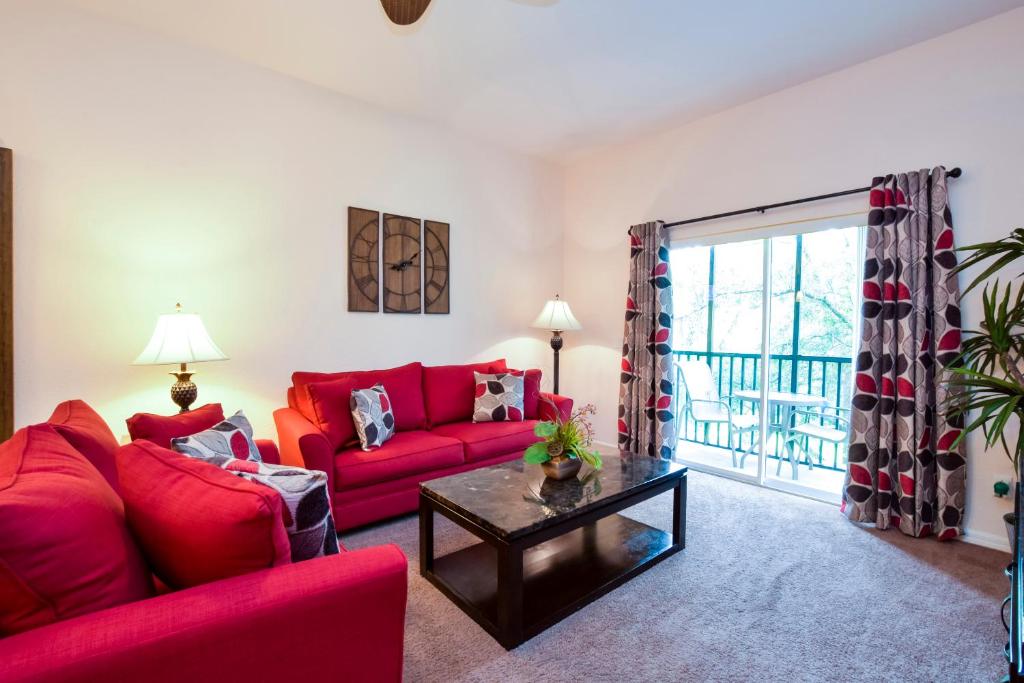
738,296
690,298
829,293
783,293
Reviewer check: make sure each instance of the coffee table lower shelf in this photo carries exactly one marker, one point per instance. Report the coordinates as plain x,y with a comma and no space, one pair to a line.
559,576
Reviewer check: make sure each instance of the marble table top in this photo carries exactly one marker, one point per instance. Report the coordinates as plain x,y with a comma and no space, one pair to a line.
513,499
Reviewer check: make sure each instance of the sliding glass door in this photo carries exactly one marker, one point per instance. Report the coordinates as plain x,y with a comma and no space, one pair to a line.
765,333
719,326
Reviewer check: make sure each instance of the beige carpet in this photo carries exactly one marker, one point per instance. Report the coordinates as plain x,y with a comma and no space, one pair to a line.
771,587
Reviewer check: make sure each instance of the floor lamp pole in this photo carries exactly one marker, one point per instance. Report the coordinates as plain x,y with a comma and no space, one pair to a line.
556,344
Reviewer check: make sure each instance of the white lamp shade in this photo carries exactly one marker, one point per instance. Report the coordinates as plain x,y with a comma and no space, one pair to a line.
179,338
557,316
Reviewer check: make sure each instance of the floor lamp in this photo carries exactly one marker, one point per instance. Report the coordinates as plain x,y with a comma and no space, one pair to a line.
558,318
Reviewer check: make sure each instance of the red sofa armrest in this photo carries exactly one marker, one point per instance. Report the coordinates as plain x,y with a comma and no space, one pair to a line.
302,444
268,451
549,403
334,618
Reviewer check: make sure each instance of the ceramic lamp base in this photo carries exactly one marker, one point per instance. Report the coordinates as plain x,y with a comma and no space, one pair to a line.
184,392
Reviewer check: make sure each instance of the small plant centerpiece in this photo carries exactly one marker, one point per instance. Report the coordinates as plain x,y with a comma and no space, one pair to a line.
565,445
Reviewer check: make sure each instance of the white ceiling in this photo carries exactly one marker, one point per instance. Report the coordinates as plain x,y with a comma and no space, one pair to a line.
555,77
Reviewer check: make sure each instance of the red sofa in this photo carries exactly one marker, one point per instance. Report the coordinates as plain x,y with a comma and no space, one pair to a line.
339,617
435,435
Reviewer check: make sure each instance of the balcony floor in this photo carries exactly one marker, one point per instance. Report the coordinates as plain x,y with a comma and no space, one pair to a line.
827,481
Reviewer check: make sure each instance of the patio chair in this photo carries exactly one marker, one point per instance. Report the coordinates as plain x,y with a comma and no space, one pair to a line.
704,405
826,424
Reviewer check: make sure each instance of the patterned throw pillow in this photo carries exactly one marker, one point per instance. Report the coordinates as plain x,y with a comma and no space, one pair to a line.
371,413
231,438
499,398
307,504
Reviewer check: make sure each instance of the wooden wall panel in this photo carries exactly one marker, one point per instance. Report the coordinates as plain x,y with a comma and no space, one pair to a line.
363,260
436,267
401,264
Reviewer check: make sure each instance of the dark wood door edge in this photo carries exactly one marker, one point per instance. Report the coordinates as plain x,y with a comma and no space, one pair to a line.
6,293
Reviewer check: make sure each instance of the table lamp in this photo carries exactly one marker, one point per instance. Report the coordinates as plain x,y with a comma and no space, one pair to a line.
556,317
180,338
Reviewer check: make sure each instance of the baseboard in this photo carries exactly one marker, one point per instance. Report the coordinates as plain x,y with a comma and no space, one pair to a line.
986,540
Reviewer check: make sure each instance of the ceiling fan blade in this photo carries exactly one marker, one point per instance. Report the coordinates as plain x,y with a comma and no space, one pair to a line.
404,12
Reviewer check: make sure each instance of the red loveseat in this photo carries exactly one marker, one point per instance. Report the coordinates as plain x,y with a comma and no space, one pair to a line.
435,435
339,617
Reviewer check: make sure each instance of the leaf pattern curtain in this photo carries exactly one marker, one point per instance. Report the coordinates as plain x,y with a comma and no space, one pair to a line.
646,416
903,470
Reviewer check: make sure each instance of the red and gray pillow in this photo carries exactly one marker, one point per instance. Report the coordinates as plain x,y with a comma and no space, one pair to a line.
195,522
372,415
231,438
306,509
499,397
306,505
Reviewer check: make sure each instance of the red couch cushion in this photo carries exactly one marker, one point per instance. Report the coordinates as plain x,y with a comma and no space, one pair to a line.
403,454
531,394
483,440
65,549
331,412
448,390
195,522
88,434
404,385
160,429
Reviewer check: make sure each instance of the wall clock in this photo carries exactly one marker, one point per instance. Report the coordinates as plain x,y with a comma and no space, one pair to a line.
363,260
436,298
401,271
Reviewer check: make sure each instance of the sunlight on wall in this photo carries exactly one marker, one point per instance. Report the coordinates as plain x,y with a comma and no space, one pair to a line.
185,176
590,370
785,145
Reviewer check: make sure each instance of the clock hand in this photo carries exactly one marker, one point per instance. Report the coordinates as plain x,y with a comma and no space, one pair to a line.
402,265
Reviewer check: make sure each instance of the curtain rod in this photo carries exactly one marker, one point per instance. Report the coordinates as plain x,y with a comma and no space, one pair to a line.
765,226
954,173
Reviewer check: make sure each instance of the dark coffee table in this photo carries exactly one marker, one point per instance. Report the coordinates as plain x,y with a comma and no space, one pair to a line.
548,548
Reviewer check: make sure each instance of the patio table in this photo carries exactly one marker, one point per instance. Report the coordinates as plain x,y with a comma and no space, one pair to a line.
787,401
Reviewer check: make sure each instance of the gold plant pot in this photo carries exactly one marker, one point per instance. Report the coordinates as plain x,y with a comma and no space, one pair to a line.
561,467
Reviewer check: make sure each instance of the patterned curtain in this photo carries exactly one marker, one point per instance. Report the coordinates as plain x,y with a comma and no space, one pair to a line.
646,416
902,470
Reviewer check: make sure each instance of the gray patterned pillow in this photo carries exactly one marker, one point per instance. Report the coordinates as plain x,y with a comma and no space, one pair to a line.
371,413
231,438
499,398
307,505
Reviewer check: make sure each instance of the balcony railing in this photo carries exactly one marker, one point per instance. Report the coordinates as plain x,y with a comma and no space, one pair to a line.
826,376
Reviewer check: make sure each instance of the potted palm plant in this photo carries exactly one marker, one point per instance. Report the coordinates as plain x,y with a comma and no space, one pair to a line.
989,377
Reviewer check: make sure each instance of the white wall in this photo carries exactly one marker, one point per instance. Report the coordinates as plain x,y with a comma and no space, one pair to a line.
954,100
149,172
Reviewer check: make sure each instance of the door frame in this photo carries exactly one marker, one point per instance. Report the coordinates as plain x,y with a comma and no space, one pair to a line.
763,478
6,293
